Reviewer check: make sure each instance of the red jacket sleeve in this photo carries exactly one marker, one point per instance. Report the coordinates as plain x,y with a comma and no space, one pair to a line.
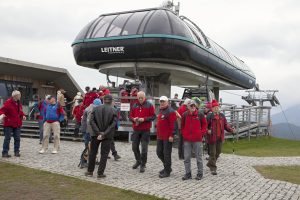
203,125
152,115
172,120
227,127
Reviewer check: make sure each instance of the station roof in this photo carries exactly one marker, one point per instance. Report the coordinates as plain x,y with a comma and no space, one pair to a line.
59,76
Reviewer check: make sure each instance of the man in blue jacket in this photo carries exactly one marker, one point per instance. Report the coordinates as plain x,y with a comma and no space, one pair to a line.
53,115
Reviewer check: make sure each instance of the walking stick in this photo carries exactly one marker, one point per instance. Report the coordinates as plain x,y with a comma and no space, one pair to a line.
233,153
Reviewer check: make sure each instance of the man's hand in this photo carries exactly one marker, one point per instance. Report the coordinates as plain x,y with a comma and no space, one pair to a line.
171,139
134,119
208,132
233,131
141,120
24,117
99,137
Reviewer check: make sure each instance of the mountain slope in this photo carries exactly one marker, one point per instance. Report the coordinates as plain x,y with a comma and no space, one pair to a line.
282,130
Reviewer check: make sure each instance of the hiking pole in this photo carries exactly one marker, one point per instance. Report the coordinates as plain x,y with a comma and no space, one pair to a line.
233,148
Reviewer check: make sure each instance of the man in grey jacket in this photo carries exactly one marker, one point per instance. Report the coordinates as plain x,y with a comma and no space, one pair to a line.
103,121
86,127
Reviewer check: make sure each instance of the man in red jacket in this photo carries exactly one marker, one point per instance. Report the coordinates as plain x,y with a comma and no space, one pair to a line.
13,116
142,114
89,97
103,91
77,114
216,124
166,120
182,109
193,127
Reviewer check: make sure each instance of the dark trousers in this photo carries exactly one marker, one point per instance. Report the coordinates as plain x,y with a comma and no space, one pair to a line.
142,137
214,153
113,148
164,153
180,146
77,127
105,148
8,132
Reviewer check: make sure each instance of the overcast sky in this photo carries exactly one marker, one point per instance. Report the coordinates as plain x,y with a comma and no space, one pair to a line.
265,34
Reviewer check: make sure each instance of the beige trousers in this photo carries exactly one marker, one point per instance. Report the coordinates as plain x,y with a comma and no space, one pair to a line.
48,127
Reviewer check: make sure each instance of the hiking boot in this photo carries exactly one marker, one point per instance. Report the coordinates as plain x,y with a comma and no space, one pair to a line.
161,171
117,157
17,154
213,172
199,177
101,176
164,175
136,165
142,169
88,174
187,176
6,155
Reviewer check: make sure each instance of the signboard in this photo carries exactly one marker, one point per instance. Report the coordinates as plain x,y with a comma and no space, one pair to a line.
125,107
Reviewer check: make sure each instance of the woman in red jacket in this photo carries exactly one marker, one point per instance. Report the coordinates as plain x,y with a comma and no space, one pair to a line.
216,124
13,116
193,126
166,120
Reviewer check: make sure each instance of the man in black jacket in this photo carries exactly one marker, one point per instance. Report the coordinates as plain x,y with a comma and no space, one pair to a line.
103,121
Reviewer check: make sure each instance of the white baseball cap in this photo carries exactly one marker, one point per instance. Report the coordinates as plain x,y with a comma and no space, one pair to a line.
163,98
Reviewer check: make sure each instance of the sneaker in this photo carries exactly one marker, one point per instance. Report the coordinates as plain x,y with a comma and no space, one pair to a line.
42,151
6,155
117,157
213,172
142,169
40,142
88,174
187,176
54,152
199,177
136,165
101,176
164,175
17,154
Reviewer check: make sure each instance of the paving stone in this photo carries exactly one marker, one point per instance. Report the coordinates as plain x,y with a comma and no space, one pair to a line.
247,183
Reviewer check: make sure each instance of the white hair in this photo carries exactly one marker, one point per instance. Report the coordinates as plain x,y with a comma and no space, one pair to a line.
15,93
186,101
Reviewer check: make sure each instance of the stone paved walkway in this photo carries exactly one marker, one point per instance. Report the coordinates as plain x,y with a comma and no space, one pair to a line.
245,184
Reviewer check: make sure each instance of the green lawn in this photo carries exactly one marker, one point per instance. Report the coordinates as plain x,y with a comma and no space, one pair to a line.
283,173
263,146
18,182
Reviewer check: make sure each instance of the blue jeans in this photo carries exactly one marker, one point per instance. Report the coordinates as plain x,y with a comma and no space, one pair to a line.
15,132
86,138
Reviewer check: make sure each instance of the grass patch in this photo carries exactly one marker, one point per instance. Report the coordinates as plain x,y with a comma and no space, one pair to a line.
263,146
283,173
18,182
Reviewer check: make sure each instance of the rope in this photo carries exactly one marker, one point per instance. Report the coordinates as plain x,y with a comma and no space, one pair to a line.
286,119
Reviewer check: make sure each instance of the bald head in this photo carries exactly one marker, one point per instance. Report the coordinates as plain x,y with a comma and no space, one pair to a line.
141,96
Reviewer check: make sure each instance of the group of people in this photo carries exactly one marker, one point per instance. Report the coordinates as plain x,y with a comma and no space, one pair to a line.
193,125
97,117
